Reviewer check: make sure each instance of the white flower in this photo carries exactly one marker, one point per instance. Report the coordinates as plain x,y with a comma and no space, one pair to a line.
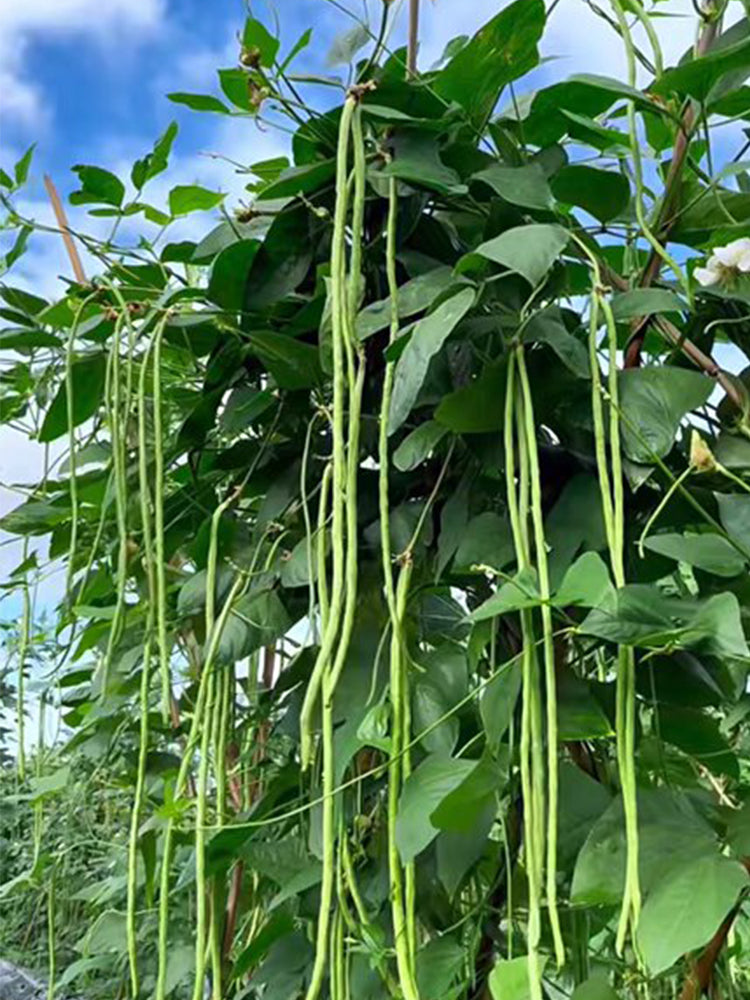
725,263
735,254
709,275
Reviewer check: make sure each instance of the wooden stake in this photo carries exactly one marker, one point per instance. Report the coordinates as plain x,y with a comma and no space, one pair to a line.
411,55
62,222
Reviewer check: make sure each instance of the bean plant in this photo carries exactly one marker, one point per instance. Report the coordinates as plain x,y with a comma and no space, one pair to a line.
405,524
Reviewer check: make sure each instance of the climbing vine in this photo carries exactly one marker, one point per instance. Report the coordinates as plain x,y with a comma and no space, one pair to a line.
404,523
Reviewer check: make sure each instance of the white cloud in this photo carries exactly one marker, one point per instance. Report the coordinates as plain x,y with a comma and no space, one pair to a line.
22,20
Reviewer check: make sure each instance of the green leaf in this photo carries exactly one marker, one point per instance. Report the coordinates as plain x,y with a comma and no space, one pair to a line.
587,583
428,337
414,296
696,77
156,161
88,389
595,988
653,402
671,923
418,446
346,45
582,802
34,517
671,833
50,784
435,778
509,979
200,102
235,83
501,51
439,689
605,194
186,198
293,363
476,408
645,302
97,186
514,595
258,41
294,181
734,511
486,541
547,327
709,552
525,186
580,716
226,286
416,159
738,831
439,962
499,701
528,250
699,736
21,169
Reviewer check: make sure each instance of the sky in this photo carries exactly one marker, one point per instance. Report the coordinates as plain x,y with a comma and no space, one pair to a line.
86,81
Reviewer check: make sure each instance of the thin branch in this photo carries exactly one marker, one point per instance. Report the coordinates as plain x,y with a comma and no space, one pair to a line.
666,217
62,221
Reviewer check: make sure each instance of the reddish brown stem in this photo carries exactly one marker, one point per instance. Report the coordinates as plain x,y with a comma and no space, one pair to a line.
62,222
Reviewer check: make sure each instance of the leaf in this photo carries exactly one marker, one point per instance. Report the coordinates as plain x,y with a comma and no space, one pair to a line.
418,445
528,250
580,716
226,286
547,327
294,181
416,159
156,161
413,296
435,778
699,736
428,337
514,595
595,988
587,583
259,43
525,186
186,198
582,801
653,402
88,388
671,833
293,363
436,692
476,408
605,194
671,923
439,962
738,831
200,102
499,701
21,169
34,517
346,45
734,511
709,552
501,51
486,541
97,186
696,77
509,979
49,784
645,302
